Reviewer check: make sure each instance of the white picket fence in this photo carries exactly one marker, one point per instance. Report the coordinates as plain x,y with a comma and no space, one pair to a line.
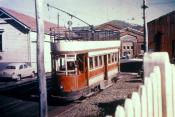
156,98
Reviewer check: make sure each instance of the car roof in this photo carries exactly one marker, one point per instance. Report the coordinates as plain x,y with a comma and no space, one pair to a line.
15,64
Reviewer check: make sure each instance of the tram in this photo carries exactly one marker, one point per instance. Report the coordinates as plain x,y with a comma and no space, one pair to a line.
82,65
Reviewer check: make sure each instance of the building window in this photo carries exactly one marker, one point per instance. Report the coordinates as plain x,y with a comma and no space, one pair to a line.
1,42
132,47
127,47
142,46
123,47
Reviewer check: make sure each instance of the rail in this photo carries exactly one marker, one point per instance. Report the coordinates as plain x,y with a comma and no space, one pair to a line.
156,98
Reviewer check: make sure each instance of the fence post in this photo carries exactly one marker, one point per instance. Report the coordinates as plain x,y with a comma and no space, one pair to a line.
136,104
167,90
149,96
155,94
173,87
129,112
143,100
119,112
159,91
161,59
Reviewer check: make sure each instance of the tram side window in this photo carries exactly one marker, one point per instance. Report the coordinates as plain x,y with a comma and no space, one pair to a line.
91,62
113,57
109,58
116,57
100,61
96,61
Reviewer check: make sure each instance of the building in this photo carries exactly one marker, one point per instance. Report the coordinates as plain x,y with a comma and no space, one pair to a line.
132,41
161,34
18,39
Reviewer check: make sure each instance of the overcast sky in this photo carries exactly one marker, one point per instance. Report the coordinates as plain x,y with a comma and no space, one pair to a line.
95,11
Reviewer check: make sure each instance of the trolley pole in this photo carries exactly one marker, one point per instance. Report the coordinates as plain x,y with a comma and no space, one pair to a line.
144,7
40,58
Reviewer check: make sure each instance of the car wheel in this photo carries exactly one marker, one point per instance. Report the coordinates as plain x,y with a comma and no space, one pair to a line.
33,74
18,77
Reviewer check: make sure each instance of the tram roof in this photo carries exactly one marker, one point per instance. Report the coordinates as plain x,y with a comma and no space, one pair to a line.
84,46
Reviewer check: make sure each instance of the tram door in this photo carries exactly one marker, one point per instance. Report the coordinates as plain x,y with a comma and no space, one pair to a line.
82,69
105,67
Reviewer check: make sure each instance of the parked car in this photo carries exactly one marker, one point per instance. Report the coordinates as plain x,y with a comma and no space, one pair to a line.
17,71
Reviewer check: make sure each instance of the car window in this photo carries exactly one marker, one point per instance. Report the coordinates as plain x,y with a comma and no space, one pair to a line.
25,66
11,67
21,67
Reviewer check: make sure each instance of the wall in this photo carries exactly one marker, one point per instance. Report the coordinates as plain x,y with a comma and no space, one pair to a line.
47,55
161,34
138,43
21,46
128,41
15,44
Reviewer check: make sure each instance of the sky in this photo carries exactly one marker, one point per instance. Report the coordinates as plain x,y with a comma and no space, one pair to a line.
94,12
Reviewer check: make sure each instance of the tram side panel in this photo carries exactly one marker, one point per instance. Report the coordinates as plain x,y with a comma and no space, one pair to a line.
102,68
113,65
96,69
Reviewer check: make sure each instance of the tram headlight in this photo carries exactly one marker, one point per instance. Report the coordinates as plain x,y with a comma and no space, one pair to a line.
61,86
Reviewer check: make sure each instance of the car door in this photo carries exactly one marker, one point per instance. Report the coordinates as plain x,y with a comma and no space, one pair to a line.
20,72
26,70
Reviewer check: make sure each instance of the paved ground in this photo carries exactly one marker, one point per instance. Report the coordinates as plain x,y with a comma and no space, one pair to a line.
99,105
18,104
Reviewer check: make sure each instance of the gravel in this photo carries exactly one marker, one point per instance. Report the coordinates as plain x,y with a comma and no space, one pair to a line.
105,102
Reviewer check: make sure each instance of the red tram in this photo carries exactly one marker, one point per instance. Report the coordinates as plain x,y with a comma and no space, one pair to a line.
82,67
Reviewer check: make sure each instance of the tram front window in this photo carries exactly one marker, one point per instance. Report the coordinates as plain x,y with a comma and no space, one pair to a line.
62,66
70,65
66,65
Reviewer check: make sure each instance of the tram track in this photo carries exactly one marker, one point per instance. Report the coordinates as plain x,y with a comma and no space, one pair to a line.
93,105
23,89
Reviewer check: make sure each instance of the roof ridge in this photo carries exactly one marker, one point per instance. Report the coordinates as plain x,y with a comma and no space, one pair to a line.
28,20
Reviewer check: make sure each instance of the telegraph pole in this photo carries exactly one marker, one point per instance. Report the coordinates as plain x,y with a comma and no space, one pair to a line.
144,7
40,58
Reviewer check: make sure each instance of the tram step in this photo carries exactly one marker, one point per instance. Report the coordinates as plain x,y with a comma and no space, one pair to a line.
105,84
90,94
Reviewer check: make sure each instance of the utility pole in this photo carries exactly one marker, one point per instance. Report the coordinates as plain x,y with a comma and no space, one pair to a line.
40,58
144,7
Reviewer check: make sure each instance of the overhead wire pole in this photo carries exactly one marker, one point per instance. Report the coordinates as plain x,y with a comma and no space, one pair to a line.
144,7
71,15
40,58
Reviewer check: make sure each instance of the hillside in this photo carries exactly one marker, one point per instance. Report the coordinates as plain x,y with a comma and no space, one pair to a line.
122,24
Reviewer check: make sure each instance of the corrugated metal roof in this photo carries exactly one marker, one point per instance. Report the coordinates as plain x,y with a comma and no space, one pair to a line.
28,21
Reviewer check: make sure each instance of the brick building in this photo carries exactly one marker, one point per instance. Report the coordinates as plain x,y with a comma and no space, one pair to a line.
132,42
161,34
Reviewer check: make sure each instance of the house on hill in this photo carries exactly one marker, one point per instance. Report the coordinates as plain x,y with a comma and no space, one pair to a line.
18,39
108,26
